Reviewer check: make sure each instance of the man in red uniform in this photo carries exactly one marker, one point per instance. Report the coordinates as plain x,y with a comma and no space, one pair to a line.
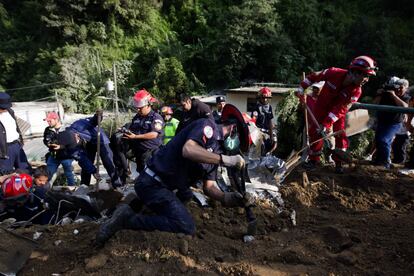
342,88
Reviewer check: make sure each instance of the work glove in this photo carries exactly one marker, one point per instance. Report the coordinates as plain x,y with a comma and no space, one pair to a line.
233,199
233,161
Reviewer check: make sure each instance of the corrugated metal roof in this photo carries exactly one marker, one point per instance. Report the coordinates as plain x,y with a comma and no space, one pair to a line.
255,89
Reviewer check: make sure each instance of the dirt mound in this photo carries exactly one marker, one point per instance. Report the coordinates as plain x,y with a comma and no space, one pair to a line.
358,223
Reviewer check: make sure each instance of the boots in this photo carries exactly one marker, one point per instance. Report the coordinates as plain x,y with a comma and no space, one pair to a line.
114,224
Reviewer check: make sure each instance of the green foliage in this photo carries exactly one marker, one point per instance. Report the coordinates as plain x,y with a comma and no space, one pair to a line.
361,143
290,125
169,79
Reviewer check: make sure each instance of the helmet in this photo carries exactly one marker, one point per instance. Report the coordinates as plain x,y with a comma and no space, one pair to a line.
365,64
142,98
167,110
265,92
17,186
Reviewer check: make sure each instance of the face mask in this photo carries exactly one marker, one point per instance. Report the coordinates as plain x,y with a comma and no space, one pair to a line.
232,144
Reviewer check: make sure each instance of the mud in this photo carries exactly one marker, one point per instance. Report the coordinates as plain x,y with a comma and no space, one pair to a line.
359,223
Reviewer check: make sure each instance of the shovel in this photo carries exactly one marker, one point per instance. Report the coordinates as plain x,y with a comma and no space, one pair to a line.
239,179
339,154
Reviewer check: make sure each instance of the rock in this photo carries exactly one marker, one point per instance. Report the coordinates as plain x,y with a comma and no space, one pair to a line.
185,263
37,235
95,262
57,243
146,257
7,222
66,221
347,258
183,247
39,256
205,216
269,213
180,235
248,238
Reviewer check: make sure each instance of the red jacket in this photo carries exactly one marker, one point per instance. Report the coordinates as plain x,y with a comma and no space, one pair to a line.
334,99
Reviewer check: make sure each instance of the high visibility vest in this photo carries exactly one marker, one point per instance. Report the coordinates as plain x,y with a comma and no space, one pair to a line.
169,130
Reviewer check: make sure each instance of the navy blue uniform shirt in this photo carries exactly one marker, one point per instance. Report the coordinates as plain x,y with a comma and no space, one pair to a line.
264,114
178,172
88,131
153,122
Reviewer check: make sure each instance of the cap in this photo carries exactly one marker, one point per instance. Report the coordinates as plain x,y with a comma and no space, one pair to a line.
51,116
4,100
220,99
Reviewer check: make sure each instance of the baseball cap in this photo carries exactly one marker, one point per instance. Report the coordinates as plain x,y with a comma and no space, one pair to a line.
51,116
220,99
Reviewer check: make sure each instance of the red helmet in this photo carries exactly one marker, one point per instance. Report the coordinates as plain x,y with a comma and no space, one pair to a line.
17,186
143,98
265,92
365,64
167,110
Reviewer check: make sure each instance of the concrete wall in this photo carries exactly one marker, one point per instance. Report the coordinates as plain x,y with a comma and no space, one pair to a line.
34,113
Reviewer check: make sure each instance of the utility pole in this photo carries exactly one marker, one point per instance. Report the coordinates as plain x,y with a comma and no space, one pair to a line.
116,97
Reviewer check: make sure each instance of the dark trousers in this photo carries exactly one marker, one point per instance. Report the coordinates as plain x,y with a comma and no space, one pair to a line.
17,159
170,213
399,148
384,136
107,161
79,154
120,148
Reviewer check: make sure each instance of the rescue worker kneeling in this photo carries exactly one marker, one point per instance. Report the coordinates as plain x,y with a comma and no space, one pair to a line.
143,135
193,154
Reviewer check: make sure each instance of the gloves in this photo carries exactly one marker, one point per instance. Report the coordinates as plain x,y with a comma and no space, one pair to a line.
233,199
232,161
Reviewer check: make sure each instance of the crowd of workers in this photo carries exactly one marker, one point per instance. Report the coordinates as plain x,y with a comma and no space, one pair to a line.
171,154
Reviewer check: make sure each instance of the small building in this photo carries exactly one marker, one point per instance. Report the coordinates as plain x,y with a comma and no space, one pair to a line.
34,113
245,98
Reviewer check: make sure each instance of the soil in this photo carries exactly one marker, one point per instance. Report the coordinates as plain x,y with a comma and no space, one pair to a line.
359,223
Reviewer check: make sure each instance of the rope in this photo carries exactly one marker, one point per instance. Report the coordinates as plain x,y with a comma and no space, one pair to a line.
33,86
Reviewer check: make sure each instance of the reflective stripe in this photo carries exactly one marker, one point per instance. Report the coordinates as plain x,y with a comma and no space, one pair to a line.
331,85
333,117
152,174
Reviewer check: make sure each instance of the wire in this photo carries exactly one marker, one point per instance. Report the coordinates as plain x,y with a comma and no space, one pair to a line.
33,86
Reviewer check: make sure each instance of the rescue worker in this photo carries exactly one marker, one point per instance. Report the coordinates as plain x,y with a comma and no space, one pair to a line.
55,158
171,124
263,114
342,88
22,200
220,103
71,143
193,109
143,135
87,130
389,123
12,155
193,154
